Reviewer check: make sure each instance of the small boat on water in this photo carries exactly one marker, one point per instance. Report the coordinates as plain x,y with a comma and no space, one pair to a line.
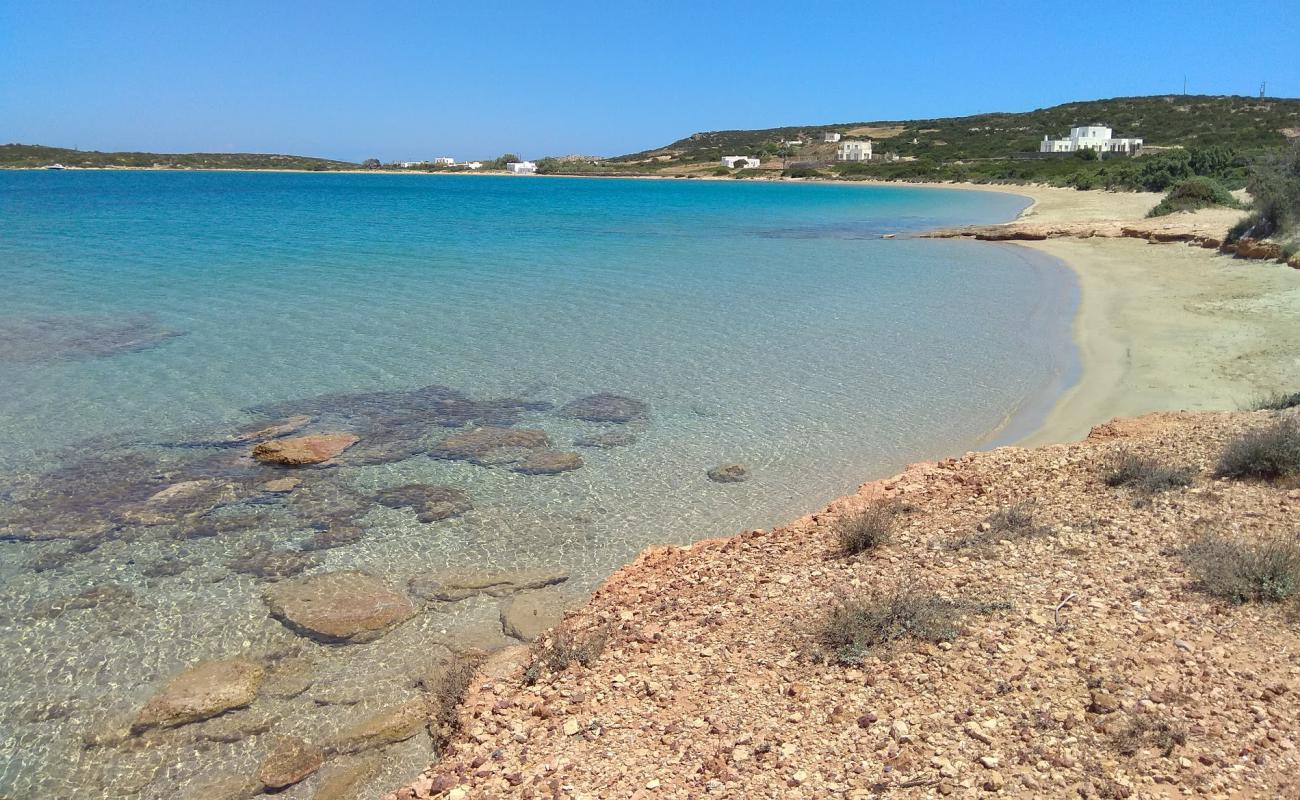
55,166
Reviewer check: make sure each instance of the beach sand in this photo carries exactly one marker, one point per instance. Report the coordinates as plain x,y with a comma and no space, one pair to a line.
1164,326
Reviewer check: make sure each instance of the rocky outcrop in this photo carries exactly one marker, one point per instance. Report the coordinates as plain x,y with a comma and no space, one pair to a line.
201,692
1258,249
729,473
429,502
270,430
491,445
605,407
339,607
547,462
316,448
387,726
454,586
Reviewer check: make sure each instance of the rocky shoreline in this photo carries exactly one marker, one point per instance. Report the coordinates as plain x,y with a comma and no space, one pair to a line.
1087,660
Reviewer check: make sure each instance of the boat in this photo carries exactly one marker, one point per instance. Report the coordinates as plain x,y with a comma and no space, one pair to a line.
55,166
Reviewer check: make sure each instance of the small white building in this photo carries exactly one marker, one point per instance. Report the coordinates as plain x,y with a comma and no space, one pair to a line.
853,150
739,162
410,164
444,161
1090,137
471,164
521,168
792,142
830,137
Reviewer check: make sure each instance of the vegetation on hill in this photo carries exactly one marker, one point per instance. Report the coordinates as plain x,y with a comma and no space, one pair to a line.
31,156
1192,194
1274,187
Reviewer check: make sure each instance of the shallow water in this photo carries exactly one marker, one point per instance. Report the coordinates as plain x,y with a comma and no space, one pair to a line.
758,323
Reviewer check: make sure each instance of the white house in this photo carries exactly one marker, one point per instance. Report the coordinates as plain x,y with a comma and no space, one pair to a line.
409,164
853,150
830,137
521,168
472,164
739,162
1090,137
444,161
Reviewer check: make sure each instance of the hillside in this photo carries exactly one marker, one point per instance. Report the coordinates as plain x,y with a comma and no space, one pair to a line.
1244,123
30,156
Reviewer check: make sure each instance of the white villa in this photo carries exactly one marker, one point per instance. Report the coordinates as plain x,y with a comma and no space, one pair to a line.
853,150
521,168
444,161
1090,137
830,137
739,162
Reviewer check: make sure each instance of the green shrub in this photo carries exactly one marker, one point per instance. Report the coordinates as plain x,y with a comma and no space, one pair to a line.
1146,474
1267,454
856,628
1192,194
1242,572
1274,188
860,531
802,172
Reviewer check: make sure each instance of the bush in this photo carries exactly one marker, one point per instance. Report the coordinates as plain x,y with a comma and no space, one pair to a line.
1277,401
1268,454
860,531
802,172
1243,572
1192,194
448,694
1146,474
1013,522
563,648
856,628
1274,187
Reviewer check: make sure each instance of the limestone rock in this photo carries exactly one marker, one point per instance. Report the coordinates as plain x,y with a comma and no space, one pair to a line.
491,445
300,451
529,614
339,607
200,692
729,473
605,407
272,430
341,779
290,760
548,462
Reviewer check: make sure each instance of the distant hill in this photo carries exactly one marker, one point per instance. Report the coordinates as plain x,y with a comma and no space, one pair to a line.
31,155
1243,123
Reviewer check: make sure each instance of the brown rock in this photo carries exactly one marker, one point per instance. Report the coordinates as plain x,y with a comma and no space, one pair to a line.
290,760
274,430
200,692
491,445
339,607
1259,249
316,448
530,614
454,586
548,462
1103,702
729,473
341,779
429,502
394,724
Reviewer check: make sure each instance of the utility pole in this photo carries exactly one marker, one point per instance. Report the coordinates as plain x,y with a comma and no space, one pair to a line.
1184,85
1262,86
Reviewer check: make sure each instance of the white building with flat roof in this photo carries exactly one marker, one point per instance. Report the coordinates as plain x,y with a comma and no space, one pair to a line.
1090,137
853,150
739,162
444,161
409,164
521,168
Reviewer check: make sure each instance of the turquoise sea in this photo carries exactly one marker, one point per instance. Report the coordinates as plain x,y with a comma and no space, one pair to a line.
146,317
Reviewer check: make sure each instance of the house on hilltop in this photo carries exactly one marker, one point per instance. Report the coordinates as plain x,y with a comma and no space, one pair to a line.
830,137
853,150
1090,137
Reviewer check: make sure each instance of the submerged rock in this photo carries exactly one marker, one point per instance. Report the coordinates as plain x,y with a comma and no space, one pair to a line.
389,726
605,407
429,502
334,536
339,607
491,445
291,759
68,338
454,586
268,563
273,430
315,448
548,462
606,439
341,779
186,499
201,692
530,614
729,473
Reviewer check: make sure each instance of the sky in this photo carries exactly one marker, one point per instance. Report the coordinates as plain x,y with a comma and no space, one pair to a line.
414,80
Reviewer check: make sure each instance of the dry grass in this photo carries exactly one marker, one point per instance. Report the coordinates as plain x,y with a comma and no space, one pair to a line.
1010,523
447,695
563,647
860,531
1144,731
1271,453
1276,401
855,629
1263,571
1146,475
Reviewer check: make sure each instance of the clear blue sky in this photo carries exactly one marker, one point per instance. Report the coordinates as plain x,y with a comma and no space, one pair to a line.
420,79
